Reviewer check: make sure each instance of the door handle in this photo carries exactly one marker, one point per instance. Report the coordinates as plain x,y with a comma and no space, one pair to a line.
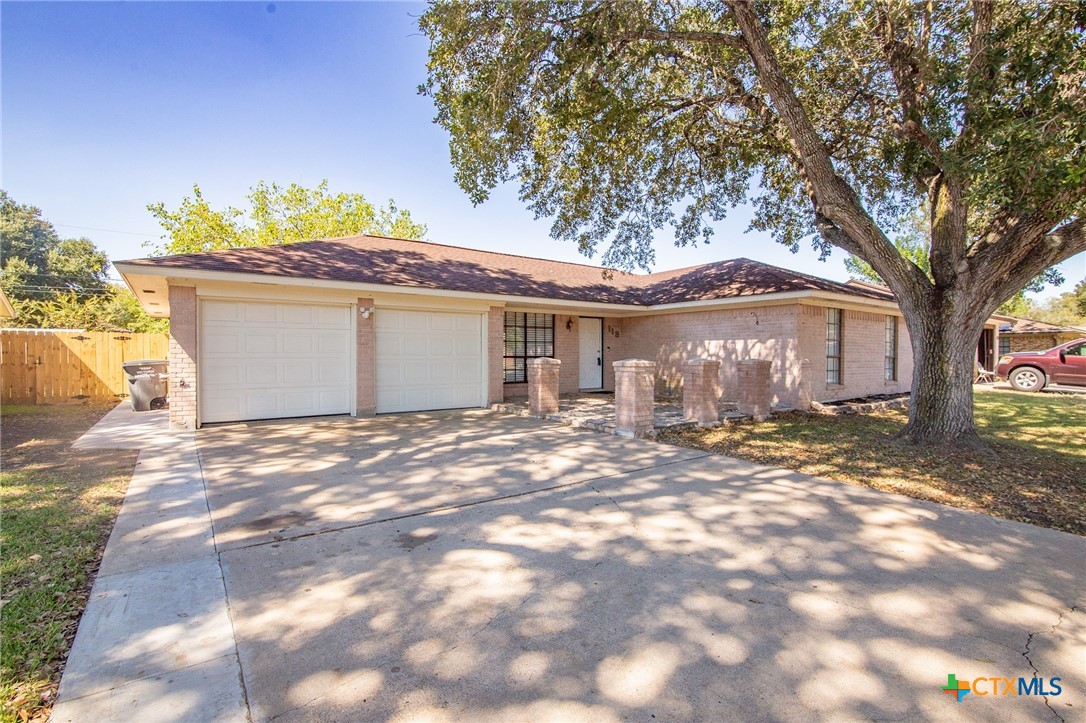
599,362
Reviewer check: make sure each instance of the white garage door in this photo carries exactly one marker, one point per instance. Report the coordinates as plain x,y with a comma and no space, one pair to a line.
265,360
428,360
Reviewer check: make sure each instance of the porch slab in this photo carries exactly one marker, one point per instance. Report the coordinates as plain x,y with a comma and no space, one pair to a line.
596,411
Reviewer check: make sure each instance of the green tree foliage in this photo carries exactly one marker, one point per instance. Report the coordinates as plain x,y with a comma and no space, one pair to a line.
279,215
37,263
833,118
1066,309
61,283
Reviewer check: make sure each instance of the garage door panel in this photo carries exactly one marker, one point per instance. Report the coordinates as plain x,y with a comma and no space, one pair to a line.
413,346
220,343
256,343
261,313
331,374
298,315
261,374
428,360
266,360
262,405
332,344
221,311
415,373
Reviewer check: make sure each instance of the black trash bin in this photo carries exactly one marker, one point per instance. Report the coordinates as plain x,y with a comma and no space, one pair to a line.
146,383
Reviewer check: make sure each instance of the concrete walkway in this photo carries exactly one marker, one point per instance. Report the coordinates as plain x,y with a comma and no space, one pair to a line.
156,642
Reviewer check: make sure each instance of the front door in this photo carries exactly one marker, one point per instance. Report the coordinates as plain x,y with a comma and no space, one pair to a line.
591,353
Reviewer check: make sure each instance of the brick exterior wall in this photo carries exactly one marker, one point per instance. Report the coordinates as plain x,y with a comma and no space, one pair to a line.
862,352
365,361
1037,342
727,335
182,357
495,334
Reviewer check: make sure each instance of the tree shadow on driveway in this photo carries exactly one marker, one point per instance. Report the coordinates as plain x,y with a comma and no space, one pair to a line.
614,579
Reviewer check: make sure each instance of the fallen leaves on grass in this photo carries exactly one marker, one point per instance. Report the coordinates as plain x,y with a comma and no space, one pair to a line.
1037,474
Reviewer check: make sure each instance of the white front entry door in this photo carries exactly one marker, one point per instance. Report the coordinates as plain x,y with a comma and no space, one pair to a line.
261,360
591,353
428,360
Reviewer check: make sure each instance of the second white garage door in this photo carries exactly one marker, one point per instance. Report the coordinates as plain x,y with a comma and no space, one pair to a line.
428,360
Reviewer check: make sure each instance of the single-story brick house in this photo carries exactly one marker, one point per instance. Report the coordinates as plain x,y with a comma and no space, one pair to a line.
366,325
1018,334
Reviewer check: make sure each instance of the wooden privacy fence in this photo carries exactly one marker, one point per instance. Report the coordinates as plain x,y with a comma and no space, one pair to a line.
43,366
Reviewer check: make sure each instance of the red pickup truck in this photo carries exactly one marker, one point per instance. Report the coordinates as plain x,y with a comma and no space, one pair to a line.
1031,371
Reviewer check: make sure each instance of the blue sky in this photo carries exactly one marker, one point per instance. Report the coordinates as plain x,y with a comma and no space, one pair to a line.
110,106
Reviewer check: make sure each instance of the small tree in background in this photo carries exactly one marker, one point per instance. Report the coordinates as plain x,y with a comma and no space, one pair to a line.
278,215
61,283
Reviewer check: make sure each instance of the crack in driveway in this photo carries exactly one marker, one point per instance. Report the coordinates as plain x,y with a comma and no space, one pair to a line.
1036,672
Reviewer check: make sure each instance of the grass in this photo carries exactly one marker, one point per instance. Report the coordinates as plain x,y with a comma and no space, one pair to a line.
1038,473
58,506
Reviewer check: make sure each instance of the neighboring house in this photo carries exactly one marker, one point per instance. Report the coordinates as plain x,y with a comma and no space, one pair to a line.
366,325
6,311
1017,334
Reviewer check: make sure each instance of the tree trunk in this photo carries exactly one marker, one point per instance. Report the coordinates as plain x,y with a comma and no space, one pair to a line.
944,340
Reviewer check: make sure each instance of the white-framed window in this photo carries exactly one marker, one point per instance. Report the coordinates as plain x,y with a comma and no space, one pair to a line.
833,346
889,364
527,336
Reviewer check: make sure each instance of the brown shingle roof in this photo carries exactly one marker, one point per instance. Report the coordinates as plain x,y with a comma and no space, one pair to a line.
421,264
1032,326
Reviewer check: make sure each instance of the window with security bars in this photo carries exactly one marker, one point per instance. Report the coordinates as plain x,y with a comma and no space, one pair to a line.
890,357
1004,345
833,346
527,336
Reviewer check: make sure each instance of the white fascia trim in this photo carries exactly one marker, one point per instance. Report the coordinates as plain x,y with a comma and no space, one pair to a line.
182,275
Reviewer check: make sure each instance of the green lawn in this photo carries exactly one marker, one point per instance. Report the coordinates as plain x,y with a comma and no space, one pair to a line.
1038,473
58,507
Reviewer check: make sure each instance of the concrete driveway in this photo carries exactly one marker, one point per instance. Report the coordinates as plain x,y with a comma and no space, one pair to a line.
467,565
474,566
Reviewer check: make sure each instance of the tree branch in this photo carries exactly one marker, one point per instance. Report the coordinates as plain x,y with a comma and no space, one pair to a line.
679,36
835,203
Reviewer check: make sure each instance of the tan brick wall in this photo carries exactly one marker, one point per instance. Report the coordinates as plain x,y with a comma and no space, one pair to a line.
862,350
182,357
1036,342
495,330
767,332
365,361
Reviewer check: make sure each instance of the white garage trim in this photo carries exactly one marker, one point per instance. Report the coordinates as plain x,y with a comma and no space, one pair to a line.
261,359
427,359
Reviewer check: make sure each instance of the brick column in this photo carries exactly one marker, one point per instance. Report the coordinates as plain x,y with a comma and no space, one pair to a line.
495,351
182,357
803,388
544,377
365,361
633,397
701,391
755,395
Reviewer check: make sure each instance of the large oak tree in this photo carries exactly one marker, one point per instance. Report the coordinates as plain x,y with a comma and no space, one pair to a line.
834,119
